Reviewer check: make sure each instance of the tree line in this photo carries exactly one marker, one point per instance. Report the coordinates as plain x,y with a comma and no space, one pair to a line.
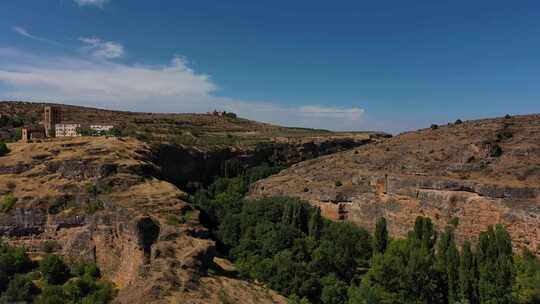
50,281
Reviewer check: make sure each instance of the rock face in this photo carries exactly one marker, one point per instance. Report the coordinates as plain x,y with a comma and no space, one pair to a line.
479,172
98,199
184,165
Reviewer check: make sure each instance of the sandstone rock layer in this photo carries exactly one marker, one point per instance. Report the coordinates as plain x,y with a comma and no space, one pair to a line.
479,173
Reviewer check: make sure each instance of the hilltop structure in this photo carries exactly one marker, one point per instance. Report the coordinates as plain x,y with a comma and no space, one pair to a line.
54,126
51,116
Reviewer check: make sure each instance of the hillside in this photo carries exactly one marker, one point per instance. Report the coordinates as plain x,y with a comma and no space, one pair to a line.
201,131
99,199
479,173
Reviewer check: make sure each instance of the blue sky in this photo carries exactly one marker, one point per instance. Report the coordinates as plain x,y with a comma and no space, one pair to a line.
342,65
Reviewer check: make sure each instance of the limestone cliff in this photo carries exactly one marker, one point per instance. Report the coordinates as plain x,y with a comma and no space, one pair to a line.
99,199
478,172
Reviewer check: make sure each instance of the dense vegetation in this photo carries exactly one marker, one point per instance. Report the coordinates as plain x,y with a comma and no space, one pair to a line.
49,281
286,244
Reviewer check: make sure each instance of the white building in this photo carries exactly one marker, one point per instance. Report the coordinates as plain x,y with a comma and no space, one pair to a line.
67,130
101,128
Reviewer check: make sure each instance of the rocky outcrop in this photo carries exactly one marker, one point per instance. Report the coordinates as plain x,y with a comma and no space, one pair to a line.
479,173
187,165
98,199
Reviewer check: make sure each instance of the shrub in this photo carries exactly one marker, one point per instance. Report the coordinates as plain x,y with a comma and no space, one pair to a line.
54,270
94,206
20,289
9,202
17,135
495,151
3,148
51,294
338,184
178,220
49,246
434,127
174,220
507,116
91,188
458,122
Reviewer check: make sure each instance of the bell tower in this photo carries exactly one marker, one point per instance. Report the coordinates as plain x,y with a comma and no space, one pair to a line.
51,117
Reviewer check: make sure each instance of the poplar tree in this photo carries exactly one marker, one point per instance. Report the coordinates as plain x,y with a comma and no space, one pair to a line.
315,224
452,273
468,280
380,238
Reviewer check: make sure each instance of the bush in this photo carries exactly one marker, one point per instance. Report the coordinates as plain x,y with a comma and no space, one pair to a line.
9,202
338,183
3,148
434,127
20,289
94,207
507,116
49,246
495,151
458,122
51,294
174,220
17,135
54,270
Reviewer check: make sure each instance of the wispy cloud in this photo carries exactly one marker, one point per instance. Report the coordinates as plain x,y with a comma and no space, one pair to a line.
98,3
24,32
173,87
102,49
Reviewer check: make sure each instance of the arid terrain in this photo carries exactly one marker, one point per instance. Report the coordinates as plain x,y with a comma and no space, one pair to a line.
206,132
477,173
98,199
122,202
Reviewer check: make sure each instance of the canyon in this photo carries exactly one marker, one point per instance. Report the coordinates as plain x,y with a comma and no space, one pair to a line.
122,202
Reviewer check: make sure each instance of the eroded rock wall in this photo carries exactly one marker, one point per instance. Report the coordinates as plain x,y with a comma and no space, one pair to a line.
450,174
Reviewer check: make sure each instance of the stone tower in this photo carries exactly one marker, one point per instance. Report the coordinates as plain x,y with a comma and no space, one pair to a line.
50,119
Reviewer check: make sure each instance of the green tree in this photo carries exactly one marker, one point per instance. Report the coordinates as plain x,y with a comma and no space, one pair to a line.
315,224
334,291
468,281
403,274
20,289
380,238
495,264
362,295
527,285
343,247
54,270
51,294
425,233
452,273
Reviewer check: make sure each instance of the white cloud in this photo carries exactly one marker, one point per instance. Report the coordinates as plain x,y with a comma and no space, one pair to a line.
102,49
23,32
173,87
99,3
